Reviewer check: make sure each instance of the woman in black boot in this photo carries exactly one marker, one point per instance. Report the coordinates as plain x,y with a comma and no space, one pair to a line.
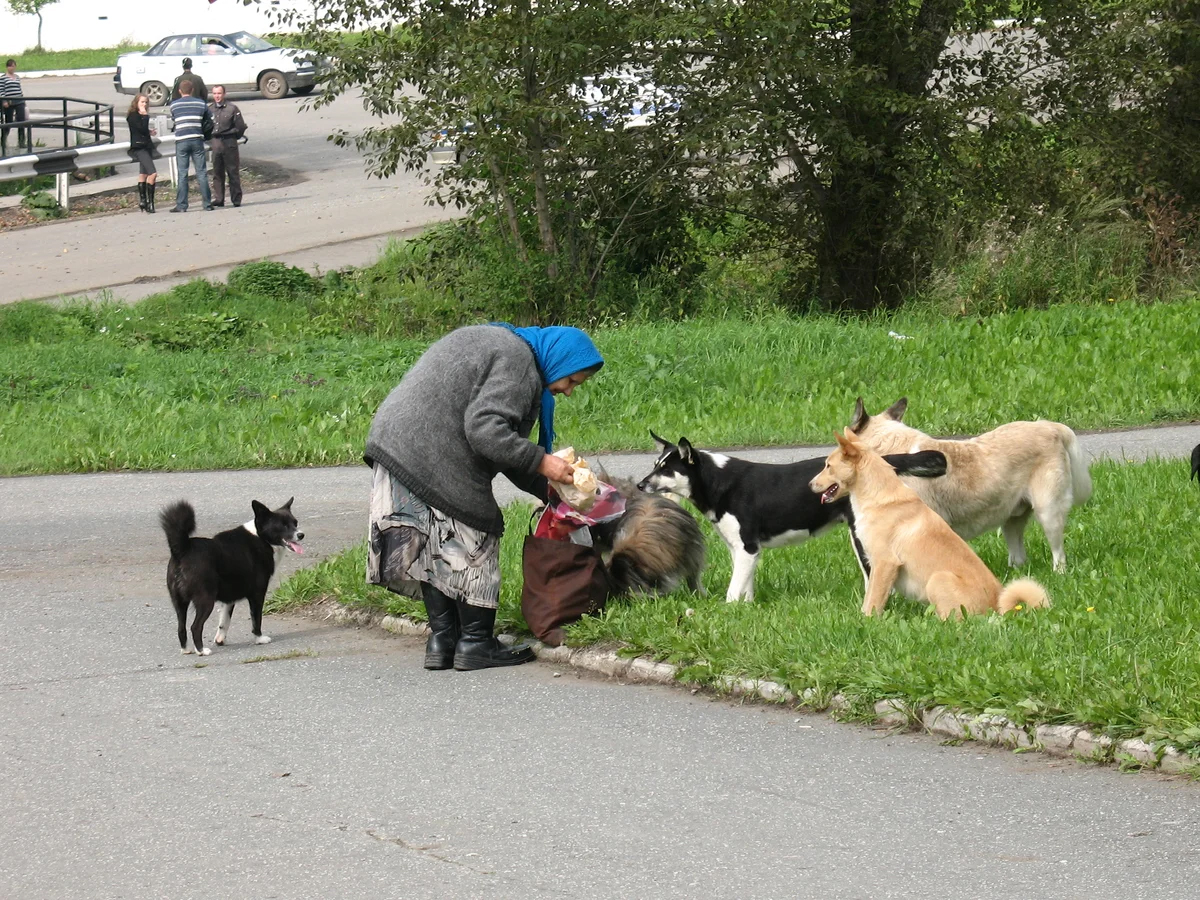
141,143
460,416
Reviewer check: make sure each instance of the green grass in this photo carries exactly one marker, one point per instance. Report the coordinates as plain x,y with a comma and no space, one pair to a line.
50,60
1119,650
206,377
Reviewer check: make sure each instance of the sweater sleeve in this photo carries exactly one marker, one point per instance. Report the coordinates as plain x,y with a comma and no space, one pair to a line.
507,394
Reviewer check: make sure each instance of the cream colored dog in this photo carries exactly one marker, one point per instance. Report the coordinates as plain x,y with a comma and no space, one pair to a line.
995,480
909,547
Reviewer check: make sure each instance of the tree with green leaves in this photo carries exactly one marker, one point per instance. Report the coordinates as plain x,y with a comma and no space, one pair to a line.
854,129
538,97
31,8
845,119
1131,88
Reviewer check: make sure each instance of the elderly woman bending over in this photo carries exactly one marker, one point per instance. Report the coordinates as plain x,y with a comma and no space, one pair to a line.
460,416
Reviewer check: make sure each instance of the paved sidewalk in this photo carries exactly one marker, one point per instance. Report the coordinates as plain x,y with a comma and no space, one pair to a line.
339,216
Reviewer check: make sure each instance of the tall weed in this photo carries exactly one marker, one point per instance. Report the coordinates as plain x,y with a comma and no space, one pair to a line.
1088,252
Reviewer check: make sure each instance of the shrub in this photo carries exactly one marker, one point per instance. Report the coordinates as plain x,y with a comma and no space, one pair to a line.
42,204
272,279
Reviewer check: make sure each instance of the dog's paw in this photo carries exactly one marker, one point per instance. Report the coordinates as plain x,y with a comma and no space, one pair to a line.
207,651
186,651
262,639
219,640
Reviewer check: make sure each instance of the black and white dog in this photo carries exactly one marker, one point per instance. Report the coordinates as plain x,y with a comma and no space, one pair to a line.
756,506
233,565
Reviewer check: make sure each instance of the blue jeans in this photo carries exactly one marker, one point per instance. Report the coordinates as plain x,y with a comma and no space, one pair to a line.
189,149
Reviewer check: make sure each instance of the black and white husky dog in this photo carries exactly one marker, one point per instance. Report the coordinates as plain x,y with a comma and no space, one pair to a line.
757,506
233,565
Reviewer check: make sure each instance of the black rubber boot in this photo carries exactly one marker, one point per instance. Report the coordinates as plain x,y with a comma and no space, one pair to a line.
143,203
478,648
150,196
443,622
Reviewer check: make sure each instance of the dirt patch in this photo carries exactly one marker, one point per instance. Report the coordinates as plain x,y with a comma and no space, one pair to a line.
257,175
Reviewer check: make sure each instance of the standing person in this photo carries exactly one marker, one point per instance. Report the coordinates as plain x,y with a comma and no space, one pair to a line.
141,143
461,415
228,127
198,89
12,105
188,113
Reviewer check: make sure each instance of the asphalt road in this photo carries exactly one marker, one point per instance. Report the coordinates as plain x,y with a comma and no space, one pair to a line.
130,771
347,770
338,216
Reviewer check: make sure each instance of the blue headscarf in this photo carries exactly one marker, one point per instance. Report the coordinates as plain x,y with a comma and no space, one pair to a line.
559,351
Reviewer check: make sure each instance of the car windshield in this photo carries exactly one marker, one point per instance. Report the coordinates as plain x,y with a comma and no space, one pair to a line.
249,43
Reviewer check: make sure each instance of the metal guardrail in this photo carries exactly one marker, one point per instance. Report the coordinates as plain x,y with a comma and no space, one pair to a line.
64,163
96,127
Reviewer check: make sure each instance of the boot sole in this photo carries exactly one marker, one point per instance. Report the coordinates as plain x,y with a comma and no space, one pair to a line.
474,663
436,662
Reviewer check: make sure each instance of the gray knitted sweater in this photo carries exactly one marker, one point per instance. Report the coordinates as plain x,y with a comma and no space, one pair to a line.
459,417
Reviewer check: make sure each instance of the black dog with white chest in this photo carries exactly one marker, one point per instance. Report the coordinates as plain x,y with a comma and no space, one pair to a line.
233,565
756,506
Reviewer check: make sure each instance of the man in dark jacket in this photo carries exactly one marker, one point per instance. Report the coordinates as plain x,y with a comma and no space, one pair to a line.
199,91
228,127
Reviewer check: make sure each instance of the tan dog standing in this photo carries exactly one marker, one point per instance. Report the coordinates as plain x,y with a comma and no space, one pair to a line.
995,480
908,546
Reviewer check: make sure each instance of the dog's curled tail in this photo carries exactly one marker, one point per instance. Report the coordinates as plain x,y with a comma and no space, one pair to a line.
1081,479
179,522
1024,592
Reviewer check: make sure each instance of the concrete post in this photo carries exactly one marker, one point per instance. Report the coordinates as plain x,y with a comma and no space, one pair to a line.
62,190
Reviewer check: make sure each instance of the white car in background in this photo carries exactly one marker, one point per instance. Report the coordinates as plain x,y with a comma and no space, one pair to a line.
241,61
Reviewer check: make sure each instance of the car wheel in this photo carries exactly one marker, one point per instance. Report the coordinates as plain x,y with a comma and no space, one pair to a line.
304,91
156,92
273,85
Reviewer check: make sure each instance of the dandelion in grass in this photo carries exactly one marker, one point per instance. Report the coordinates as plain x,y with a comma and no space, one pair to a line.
1019,607
1091,609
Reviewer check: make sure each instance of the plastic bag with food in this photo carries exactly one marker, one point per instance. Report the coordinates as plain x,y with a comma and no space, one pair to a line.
581,494
558,520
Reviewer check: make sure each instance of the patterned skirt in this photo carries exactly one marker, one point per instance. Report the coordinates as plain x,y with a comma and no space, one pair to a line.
411,542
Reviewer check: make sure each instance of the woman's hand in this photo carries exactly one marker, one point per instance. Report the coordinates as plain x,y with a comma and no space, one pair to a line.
555,468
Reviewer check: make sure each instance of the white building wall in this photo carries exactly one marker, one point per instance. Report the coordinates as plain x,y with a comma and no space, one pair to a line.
76,24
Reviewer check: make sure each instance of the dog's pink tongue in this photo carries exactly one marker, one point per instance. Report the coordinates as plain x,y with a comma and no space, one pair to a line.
294,547
827,497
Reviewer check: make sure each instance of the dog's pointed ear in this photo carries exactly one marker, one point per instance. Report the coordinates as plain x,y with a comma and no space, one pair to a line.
896,410
288,505
858,421
260,509
686,452
850,447
662,444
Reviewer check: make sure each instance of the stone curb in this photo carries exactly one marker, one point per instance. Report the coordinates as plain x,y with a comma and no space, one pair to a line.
67,73
1070,741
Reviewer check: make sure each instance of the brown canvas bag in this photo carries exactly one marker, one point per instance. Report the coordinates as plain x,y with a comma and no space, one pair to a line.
563,583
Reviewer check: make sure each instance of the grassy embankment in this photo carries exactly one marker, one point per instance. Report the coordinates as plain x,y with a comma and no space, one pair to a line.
275,370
